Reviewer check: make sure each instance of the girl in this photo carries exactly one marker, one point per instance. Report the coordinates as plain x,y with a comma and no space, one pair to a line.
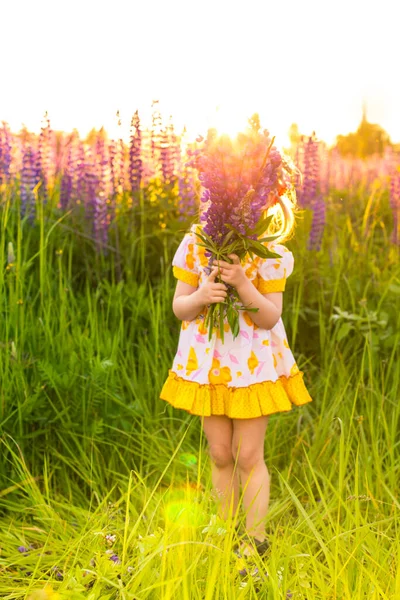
236,385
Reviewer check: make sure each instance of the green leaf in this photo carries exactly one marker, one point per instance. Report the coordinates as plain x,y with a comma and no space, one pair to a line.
262,251
228,236
269,238
262,225
236,327
207,240
343,330
221,321
233,228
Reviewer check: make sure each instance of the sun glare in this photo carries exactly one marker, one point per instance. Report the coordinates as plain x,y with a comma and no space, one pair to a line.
227,121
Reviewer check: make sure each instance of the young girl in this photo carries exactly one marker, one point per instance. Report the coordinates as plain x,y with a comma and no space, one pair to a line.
234,386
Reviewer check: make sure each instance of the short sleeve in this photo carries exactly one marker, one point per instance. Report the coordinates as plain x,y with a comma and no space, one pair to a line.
273,272
184,263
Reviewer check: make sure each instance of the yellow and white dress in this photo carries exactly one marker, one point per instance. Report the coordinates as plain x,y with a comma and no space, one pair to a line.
252,375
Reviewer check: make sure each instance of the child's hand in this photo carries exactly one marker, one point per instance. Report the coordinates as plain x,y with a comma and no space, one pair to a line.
231,273
211,291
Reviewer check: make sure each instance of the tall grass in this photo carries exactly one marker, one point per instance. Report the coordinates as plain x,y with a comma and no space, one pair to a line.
88,449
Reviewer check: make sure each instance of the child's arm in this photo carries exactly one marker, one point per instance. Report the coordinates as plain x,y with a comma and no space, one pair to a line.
269,305
189,301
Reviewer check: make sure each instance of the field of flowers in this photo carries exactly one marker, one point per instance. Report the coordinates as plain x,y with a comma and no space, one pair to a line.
104,489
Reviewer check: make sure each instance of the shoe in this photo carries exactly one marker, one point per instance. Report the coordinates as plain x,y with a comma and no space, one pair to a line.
261,547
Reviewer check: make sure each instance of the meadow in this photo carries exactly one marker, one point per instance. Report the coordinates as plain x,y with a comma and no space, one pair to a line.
105,490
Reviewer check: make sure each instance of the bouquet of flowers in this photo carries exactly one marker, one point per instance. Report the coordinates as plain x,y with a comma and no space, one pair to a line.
238,178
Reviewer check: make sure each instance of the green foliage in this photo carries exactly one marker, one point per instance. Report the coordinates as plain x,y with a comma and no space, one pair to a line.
88,449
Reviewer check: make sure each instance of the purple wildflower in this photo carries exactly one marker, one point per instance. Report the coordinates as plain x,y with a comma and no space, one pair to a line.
187,202
80,172
311,166
43,160
97,190
318,223
58,574
135,150
67,179
22,549
5,153
113,151
29,179
237,178
310,195
116,152
115,559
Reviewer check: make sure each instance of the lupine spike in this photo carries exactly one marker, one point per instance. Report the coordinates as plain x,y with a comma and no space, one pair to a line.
135,154
5,153
28,182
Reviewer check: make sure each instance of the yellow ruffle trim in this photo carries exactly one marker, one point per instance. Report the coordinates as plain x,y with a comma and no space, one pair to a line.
255,400
271,285
186,276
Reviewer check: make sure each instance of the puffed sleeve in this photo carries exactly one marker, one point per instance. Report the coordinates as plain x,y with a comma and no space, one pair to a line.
184,263
273,272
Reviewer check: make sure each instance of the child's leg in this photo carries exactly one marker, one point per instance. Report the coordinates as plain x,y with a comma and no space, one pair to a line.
248,441
225,479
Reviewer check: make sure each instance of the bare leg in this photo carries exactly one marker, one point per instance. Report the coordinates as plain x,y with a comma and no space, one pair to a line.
248,443
225,478
256,486
225,482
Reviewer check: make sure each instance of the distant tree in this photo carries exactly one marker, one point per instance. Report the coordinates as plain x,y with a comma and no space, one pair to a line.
369,138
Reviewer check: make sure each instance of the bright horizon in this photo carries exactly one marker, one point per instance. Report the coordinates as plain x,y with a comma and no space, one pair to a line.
208,63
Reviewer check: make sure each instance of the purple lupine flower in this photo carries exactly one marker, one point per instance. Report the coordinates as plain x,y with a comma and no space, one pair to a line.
43,155
67,178
310,170
318,223
116,153
80,171
29,179
135,154
58,574
100,222
115,559
91,183
310,195
98,197
187,201
113,151
237,178
394,198
5,153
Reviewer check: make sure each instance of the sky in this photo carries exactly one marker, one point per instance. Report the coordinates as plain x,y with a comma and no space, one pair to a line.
208,62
